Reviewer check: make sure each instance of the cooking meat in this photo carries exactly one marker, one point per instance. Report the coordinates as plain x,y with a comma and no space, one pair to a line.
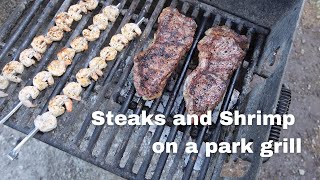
153,67
221,52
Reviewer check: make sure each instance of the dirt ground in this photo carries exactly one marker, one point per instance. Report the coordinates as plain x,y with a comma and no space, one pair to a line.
40,161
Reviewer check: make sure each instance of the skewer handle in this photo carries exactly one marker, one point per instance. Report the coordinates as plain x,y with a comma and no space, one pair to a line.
15,152
11,113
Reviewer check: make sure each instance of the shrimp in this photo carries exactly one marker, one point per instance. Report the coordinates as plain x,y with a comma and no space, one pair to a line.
39,44
28,56
42,80
57,67
97,64
4,83
118,42
112,13
3,94
66,55
64,21
130,31
83,76
73,90
11,69
46,122
91,35
54,34
57,103
108,53
26,93
101,21
79,44
89,4
75,11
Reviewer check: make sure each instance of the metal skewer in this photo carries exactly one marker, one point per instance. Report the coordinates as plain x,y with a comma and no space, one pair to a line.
15,152
3,120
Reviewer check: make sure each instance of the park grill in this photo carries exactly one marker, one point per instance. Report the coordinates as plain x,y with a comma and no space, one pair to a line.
126,150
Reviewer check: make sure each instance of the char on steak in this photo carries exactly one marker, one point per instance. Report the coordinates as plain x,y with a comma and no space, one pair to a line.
172,40
221,52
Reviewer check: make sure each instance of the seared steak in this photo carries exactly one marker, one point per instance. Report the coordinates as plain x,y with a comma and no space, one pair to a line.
221,52
153,67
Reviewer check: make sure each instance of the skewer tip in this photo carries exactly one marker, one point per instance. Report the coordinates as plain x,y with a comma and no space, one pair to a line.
12,155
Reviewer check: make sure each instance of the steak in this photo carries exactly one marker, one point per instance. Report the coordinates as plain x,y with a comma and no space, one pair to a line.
153,67
221,52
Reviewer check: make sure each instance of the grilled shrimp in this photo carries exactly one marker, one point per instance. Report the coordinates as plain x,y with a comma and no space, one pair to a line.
89,4
108,53
26,94
46,122
79,44
75,11
57,67
112,13
28,57
42,80
130,31
66,55
83,76
118,42
4,83
57,103
97,64
73,90
91,35
101,21
54,34
3,94
11,69
64,21
40,44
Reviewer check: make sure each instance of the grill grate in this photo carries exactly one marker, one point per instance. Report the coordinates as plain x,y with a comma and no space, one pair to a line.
125,151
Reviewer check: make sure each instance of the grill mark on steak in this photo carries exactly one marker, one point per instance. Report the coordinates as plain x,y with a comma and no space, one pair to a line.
172,40
221,52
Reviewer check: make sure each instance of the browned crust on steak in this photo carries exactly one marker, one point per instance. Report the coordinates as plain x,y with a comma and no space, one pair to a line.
153,67
221,52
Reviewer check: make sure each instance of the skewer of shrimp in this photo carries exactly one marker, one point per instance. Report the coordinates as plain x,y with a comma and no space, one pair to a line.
58,67
39,44
60,103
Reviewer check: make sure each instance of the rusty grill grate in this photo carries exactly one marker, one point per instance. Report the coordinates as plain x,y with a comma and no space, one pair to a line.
125,151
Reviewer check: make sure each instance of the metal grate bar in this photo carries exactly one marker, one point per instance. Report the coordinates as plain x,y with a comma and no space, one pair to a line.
134,152
216,135
98,130
87,121
125,141
193,156
171,100
100,97
181,150
164,156
12,20
21,28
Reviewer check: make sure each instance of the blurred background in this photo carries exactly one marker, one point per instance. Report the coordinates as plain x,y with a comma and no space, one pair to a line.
40,161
